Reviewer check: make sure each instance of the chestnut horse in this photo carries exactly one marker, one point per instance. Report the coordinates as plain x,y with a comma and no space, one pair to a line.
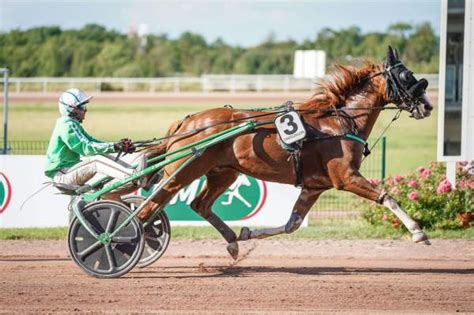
348,102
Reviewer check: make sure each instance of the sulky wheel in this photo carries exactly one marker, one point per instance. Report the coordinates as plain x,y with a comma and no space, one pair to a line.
106,259
157,233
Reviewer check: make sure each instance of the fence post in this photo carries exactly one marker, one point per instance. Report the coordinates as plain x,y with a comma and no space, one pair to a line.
259,83
5,109
286,84
232,84
384,156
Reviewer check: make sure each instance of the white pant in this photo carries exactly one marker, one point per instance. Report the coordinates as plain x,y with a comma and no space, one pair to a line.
99,165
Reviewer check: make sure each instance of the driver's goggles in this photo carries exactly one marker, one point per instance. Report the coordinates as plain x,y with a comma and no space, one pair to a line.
83,106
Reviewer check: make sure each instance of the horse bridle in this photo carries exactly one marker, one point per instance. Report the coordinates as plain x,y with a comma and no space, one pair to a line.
405,98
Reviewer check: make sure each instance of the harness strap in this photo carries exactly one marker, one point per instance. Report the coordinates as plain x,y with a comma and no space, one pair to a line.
360,140
279,109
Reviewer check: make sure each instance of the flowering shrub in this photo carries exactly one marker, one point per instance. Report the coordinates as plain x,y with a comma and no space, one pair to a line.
427,196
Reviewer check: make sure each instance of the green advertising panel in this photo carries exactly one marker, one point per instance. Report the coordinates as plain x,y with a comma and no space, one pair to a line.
5,192
243,199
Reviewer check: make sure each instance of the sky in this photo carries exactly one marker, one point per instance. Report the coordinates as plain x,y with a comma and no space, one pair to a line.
243,23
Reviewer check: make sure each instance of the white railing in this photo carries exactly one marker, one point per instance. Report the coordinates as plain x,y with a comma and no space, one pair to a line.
205,83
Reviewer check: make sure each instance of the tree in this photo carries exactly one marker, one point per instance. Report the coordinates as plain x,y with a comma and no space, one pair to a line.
422,45
400,29
95,51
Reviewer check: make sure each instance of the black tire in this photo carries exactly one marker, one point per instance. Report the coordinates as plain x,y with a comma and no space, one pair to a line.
114,259
157,234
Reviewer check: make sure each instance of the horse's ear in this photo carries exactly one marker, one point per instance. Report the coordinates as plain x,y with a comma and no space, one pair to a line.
391,59
396,55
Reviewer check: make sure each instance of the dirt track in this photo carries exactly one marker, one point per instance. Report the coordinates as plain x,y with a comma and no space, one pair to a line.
270,276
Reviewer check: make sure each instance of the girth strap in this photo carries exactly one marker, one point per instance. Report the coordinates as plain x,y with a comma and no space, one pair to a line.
298,166
295,155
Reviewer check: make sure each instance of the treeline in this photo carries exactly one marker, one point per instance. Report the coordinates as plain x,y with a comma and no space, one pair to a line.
95,51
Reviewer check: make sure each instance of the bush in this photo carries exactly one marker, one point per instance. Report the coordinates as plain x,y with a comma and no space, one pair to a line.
427,196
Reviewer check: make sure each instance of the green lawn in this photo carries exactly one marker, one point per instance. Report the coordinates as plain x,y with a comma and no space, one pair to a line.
410,142
318,230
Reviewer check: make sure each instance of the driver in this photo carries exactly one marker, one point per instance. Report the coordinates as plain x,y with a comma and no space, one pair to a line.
74,156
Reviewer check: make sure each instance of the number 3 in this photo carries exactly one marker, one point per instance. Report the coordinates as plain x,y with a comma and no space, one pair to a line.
288,119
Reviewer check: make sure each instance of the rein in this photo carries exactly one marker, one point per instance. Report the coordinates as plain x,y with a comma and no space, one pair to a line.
274,111
397,115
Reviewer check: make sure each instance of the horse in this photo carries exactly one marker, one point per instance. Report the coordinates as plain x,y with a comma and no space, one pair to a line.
348,102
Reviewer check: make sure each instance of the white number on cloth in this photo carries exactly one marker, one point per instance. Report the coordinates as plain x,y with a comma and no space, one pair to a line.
290,127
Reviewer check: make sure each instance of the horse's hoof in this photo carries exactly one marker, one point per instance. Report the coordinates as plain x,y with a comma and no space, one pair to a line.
244,234
233,249
421,238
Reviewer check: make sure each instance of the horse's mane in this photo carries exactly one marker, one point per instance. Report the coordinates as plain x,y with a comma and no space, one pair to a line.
343,82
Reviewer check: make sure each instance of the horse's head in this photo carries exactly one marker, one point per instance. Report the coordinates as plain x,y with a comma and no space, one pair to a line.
403,89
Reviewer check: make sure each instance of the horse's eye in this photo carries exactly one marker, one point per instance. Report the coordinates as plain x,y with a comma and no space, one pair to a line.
406,76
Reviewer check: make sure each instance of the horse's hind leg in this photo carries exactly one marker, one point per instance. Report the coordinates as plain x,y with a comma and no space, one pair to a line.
217,182
305,200
358,185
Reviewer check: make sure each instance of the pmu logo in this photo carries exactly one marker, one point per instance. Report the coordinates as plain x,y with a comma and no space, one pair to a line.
241,201
5,192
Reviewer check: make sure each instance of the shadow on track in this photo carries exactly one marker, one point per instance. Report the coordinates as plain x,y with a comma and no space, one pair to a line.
235,271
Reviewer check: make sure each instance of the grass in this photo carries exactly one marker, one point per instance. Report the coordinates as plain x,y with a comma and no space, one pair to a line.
410,143
356,229
35,121
57,233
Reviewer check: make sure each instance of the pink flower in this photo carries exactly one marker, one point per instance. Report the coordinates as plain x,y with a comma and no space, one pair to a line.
412,184
471,184
374,181
398,178
395,191
413,196
462,184
420,169
426,173
444,187
385,217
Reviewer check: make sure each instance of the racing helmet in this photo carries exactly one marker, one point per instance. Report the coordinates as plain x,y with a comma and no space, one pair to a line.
71,99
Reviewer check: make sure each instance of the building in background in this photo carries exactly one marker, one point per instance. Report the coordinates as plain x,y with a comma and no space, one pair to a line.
309,64
456,79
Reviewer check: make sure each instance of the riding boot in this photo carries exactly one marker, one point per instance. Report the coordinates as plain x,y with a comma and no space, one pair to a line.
142,164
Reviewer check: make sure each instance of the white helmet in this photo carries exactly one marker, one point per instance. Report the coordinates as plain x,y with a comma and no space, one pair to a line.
70,99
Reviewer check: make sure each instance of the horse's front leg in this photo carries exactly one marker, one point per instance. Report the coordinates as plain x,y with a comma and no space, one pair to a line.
360,186
305,200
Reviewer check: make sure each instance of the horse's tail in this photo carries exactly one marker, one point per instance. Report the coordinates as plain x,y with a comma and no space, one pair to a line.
161,147
156,150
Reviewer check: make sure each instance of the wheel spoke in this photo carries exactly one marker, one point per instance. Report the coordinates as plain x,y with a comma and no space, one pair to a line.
89,250
124,239
152,238
110,257
112,220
